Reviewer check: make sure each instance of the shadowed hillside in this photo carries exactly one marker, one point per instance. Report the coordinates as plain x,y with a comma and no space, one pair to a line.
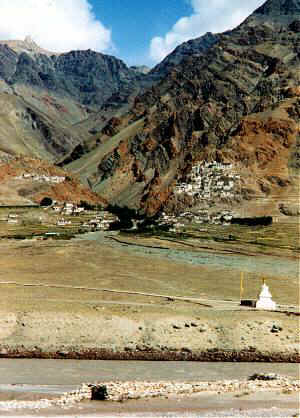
238,102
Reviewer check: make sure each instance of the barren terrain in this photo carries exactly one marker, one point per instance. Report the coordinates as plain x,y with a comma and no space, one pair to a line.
112,296
48,388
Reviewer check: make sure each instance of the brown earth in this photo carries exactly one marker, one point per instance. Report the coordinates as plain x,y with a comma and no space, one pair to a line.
184,124
18,192
83,299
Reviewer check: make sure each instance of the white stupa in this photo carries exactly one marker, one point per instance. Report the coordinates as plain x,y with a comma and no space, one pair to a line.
265,299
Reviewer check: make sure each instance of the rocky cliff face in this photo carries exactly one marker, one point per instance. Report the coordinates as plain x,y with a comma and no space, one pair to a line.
238,101
279,9
231,97
85,76
192,47
27,45
55,92
119,103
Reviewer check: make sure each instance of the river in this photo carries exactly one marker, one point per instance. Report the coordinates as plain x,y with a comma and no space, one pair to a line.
259,264
74,372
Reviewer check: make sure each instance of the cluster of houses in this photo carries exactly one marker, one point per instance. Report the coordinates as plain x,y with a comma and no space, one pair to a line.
210,180
64,214
95,224
63,222
222,217
99,222
69,209
207,183
42,178
12,218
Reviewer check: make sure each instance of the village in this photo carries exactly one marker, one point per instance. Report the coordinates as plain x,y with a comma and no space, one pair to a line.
94,220
50,217
60,218
211,180
208,183
41,178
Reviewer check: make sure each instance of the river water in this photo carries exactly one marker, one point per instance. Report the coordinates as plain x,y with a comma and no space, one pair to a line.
26,379
32,379
258,264
74,372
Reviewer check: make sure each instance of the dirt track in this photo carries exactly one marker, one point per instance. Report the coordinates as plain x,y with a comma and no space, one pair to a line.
89,299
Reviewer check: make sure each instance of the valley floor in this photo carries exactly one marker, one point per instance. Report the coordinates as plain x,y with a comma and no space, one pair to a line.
108,296
119,296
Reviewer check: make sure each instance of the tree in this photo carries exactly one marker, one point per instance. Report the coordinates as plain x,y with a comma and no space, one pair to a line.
46,201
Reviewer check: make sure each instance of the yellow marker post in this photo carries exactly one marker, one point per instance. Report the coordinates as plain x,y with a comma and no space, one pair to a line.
242,285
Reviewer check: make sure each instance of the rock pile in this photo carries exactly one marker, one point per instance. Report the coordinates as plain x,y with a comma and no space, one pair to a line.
120,391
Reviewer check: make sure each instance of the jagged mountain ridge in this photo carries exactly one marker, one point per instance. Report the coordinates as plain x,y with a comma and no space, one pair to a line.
119,103
205,101
79,91
238,101
86,76
27,45
279,8
55,92
187,49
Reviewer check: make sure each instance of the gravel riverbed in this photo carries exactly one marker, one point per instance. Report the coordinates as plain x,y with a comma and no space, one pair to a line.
120,391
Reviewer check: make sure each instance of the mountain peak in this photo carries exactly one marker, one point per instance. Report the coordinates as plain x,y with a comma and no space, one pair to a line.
28,45
28,39
141,69
280,13
279,7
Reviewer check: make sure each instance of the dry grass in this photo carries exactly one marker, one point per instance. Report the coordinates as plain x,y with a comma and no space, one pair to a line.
93,265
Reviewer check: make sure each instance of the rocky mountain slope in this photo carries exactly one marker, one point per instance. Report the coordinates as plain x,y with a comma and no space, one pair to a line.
187,49
28,46
119,103
55,88
26,181
56,91
237,102
132,135
85,76
33,130
105,119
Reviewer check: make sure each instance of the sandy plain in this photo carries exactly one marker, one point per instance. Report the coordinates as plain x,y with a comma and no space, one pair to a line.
96,297
111,296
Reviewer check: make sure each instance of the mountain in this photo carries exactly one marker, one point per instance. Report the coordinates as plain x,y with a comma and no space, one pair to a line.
85,76
51,93
279,9
26,129
28,46
235,102
141,69
119,103
132,135
187,49
74,95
